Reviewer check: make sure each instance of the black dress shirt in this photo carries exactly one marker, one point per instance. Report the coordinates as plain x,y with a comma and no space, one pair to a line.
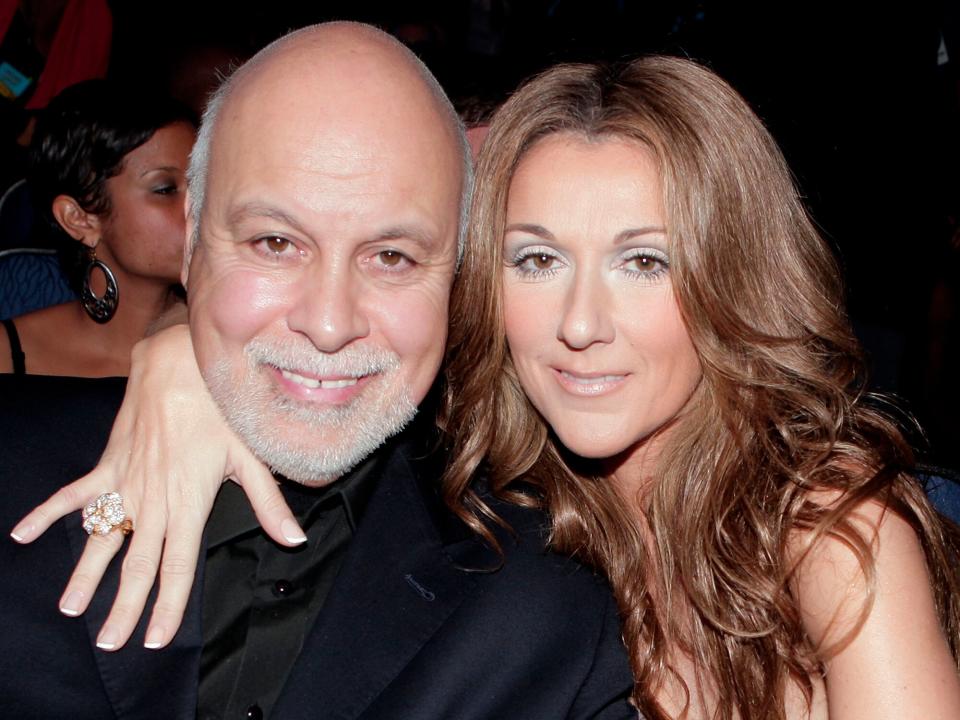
260,599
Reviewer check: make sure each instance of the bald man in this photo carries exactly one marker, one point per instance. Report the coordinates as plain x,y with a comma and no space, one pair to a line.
327,194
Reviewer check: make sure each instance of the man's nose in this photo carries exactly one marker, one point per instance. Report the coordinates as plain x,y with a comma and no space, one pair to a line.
586,315
329,309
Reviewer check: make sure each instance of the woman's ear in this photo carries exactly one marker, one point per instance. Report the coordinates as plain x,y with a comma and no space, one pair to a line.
76,222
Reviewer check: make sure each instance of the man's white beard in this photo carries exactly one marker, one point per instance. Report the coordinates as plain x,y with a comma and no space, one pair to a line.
303,442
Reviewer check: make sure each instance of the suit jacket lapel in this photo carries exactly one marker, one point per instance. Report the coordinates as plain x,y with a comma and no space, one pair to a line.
144,683
398,585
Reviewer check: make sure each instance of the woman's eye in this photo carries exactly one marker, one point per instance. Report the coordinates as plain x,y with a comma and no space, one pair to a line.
541,261
647,264
165,190
536,263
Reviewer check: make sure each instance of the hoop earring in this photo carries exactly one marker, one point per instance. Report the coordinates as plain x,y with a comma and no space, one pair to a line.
100,309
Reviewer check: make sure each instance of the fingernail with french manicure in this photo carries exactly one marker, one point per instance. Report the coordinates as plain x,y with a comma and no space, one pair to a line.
72,603
154,639
22,533
292,532
107,639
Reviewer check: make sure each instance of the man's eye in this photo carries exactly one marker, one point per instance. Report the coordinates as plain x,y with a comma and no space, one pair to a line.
390,258
275,245
392,261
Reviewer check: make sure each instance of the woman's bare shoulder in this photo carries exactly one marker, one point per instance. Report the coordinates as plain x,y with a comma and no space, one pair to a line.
52,340
872,615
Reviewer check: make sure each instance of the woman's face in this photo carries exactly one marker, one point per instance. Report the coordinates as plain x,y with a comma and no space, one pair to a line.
594,330
143,232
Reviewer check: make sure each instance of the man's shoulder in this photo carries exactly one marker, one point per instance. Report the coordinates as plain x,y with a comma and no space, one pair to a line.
529,562
523,563
540,627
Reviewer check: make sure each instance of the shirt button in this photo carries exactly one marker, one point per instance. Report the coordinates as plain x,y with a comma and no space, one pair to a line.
254,713
282,588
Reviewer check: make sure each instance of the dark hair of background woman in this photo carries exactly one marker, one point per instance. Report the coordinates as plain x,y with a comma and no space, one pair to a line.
80,142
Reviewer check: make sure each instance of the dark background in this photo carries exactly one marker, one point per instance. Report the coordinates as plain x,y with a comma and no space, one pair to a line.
864,106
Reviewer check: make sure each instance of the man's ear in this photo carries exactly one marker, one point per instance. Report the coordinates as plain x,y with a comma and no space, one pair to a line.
76,222
188,241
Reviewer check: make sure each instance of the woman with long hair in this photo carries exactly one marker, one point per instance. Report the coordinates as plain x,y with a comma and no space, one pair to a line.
672,369
648,340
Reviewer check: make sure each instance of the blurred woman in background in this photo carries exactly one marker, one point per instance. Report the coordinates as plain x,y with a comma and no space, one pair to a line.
107,176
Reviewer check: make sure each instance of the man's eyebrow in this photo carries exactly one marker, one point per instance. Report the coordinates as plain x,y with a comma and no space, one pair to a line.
420,236
250,210
531,229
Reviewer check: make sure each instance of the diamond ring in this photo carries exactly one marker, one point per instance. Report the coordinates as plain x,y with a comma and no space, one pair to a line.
105,514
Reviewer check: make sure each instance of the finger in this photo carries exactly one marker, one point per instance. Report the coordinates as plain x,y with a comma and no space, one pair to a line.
96,555
137,576
64,501
177,570
267,501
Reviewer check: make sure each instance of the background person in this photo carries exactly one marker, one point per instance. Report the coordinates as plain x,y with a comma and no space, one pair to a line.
107,174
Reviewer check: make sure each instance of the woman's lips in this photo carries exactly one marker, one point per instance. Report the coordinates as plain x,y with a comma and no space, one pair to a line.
589,384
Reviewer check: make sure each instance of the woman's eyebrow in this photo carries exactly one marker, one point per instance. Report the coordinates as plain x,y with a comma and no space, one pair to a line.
625,235
532,229
161,168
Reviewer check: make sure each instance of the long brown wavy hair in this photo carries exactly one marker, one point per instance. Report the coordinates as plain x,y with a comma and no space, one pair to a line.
780,412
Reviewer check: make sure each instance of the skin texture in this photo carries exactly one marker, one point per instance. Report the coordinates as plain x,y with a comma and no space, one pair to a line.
141,239
334,230
898,664
595,333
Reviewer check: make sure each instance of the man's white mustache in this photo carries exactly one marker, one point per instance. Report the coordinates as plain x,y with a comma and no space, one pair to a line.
351,361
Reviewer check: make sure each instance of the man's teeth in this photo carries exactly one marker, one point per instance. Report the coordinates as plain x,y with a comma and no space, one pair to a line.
313,383
591,380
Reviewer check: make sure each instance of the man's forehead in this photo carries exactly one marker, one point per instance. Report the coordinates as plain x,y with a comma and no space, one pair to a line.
335,128
414,228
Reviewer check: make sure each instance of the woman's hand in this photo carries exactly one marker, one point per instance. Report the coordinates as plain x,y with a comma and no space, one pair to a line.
168,454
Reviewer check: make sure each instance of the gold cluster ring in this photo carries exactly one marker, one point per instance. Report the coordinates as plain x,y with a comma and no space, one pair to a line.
106,514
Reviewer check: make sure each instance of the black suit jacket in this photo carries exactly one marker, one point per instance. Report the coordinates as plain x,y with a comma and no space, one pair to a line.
415,625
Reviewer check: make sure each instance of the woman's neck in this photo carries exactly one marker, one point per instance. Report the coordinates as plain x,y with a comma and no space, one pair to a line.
141,303
64,340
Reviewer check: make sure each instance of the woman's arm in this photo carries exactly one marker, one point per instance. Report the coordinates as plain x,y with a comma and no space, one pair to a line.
898,665
168,454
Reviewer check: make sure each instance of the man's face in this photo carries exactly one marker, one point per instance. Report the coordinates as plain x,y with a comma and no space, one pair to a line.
319,289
